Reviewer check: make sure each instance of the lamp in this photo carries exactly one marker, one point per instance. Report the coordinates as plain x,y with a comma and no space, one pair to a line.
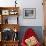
15,3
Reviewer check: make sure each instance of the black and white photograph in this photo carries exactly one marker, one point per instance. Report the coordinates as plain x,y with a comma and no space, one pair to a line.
30,13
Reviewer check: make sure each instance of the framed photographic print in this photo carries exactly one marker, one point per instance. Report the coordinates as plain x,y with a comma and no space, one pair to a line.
12,20
5,12
29,13
5,20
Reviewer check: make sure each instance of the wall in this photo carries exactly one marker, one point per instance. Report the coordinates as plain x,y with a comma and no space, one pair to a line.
39,13
7,3
27,4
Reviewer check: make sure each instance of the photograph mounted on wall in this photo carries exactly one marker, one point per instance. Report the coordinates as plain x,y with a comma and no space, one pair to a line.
29,13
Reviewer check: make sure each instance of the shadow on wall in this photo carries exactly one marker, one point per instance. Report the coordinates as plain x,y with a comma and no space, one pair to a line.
37,29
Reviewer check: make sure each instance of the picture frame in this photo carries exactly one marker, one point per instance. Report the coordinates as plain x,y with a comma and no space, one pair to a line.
13,12
5,12
9,19
29,13
12,20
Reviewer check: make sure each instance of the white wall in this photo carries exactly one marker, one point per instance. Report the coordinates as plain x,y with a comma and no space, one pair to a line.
27,4
39,13
7,3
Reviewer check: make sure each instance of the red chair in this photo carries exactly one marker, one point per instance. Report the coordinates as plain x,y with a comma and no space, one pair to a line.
29,33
